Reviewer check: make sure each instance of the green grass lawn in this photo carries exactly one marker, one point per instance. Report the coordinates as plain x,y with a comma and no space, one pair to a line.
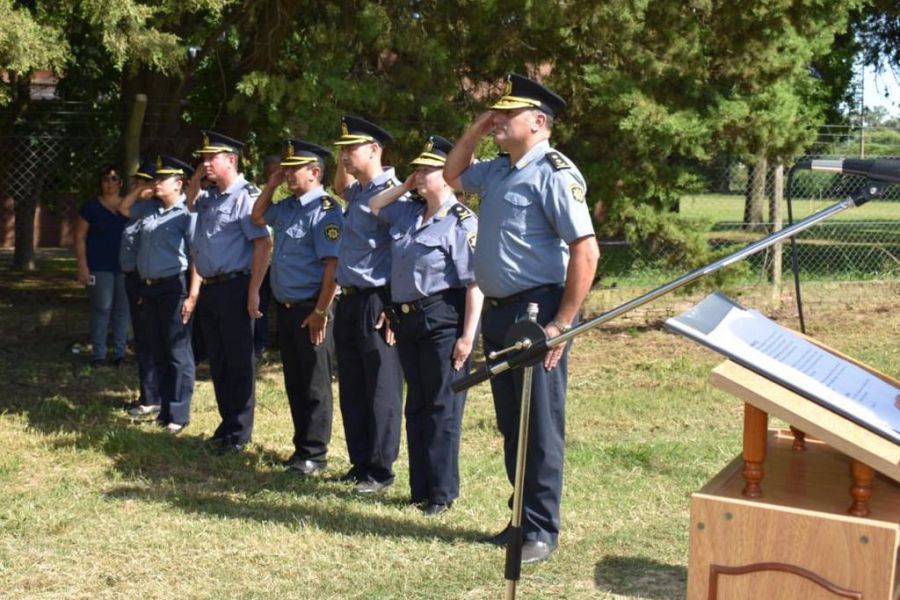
93,505
730,208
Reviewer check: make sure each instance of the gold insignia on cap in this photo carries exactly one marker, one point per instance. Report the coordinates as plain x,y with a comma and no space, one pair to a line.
428,146
205,140
289,150
332,232
577,192
471,239
508,89
159,164
344,129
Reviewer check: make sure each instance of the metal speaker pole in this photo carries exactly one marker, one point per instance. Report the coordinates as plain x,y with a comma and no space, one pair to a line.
522,356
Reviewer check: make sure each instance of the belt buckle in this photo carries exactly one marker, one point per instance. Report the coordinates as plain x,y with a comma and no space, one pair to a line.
148,282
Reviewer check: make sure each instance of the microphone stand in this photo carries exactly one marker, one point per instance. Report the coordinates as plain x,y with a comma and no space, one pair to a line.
521,355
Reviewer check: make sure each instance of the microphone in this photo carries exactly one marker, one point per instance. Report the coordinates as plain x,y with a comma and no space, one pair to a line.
879,169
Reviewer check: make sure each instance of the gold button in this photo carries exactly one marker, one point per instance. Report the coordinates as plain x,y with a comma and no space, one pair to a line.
404,308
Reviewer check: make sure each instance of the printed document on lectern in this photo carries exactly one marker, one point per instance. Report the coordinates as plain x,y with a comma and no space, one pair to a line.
750,339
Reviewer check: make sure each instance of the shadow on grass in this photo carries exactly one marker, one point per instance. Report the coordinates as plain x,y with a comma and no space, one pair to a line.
640,578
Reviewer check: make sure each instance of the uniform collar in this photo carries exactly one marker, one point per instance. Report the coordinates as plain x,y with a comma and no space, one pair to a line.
538,149
383,177
179,204
236,185
445,207
311,195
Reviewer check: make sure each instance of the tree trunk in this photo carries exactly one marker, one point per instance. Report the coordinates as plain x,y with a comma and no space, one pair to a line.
755,196
775,202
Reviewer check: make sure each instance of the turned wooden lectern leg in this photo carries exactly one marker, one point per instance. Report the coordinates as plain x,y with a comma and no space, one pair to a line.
861,490
756,424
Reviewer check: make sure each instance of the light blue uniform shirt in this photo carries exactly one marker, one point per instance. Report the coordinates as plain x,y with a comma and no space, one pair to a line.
164,245
223,242
365,257
129,246
307,231
430,256
529,213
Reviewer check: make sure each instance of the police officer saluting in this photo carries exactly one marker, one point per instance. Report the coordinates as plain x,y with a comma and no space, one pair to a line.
369,375
169,288
535,244
437,306
307,236
147,404
231,255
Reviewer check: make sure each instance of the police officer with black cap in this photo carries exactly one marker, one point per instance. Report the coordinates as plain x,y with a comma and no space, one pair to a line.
147,404
231,255
536,244
169,288
369,374
307,229
437,306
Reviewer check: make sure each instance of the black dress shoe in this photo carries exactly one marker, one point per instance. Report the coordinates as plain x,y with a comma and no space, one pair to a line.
229,448
354,475
536,552
500,539
436,508
370,487
305,466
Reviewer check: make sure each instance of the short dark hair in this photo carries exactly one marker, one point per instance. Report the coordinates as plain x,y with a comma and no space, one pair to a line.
106,170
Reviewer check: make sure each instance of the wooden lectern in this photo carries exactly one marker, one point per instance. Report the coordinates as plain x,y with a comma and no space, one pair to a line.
794,517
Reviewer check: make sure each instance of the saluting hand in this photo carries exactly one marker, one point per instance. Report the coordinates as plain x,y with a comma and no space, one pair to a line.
483,124
276,178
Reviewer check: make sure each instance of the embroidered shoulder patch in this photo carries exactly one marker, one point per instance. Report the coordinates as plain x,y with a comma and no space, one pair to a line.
332,232
252,190
461,212
577,192
557,161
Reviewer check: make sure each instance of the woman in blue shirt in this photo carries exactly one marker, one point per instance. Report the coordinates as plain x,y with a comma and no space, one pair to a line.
98,234
435,315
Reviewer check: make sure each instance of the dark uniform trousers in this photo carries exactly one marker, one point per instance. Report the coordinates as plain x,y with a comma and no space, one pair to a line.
169,341
227,333
426,337
546,440
145,362
307,379
371,385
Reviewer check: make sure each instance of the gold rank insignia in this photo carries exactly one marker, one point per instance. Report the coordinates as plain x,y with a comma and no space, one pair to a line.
205,141
344,129
577,192
508,89
289,151
557,161
443,212
332,232
471,238
159,163
428,146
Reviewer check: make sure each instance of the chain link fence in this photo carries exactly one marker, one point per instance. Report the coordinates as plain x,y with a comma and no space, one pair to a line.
739,204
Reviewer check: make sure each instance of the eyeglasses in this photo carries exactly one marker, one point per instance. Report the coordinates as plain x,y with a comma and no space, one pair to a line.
110,179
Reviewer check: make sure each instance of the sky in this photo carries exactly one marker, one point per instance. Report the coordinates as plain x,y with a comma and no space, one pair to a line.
876,86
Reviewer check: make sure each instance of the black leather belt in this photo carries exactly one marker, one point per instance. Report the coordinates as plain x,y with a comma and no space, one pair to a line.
288,305
224,277
148,281
421,304
352,290
523,294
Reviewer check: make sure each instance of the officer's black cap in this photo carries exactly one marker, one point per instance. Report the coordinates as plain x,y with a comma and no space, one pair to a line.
213,143
146,170
300,152
356,130
522,92
435,152
169,165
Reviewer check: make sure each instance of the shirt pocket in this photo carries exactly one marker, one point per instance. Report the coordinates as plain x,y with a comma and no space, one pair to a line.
517,206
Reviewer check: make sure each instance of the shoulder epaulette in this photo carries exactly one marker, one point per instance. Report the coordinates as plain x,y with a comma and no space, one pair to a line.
327,202
252,189
389,184
557,161
461,211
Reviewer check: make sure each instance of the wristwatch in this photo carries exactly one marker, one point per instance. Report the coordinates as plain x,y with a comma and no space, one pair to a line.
321,312
563,328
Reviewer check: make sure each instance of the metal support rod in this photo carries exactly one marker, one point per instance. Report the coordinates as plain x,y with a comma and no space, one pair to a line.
514,546
872,189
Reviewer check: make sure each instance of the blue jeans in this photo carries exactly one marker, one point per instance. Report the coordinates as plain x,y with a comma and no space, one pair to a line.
109,313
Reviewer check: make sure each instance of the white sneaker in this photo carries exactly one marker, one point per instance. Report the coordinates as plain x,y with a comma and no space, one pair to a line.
143,410
174,428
